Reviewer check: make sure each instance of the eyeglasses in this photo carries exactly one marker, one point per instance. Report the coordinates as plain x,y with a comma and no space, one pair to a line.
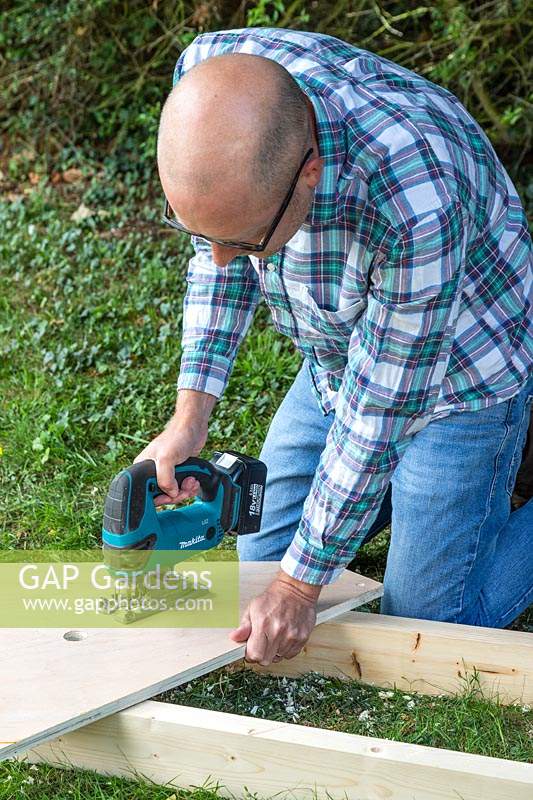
169,219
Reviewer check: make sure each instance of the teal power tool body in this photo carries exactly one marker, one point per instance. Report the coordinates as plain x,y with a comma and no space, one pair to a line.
231,499
137,538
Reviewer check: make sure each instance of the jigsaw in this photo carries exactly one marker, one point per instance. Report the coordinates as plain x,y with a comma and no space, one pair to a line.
136,537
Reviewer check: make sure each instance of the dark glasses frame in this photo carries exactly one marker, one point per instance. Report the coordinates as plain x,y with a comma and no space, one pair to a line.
169,219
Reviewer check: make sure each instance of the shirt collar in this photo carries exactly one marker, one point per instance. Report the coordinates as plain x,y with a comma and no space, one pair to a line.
331,143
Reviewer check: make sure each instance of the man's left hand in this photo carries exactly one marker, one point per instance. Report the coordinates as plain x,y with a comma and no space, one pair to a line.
279,621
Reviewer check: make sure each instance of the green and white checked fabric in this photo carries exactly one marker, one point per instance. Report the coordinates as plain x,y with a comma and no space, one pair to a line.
408,287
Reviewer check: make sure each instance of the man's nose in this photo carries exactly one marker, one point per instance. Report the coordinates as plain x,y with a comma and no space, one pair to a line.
223,255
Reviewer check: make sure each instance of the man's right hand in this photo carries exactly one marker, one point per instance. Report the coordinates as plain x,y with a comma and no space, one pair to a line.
184,436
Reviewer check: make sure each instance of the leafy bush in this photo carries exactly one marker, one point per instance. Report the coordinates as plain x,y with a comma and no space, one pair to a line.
83,80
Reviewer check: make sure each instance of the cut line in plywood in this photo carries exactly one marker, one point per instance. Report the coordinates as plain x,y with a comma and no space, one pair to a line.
187,747
418,655
49,685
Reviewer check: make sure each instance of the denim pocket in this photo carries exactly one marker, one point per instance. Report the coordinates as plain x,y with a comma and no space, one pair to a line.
514,465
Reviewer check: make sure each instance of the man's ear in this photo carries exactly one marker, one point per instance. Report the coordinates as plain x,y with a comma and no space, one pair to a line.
313,172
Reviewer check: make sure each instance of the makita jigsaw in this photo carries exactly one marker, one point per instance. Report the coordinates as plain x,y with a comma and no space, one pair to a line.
135,534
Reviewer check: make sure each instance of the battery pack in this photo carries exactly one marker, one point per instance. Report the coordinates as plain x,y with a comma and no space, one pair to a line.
250,475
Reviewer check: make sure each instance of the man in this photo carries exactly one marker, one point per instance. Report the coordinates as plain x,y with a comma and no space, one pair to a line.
372,214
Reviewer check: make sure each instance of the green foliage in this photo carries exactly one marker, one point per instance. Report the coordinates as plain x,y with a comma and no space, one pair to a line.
81,80
268,13
87,72
90,325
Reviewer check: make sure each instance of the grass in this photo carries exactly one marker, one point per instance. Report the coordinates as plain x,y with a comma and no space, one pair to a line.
32,782
90,314
90,319
468,722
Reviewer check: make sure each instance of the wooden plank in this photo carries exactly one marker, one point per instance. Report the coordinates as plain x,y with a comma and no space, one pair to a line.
418,655
49,685
185,747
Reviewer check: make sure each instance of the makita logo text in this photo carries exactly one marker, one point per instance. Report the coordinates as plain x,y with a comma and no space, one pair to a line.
190,542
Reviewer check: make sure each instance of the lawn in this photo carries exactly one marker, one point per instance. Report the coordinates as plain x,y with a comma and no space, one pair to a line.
90,328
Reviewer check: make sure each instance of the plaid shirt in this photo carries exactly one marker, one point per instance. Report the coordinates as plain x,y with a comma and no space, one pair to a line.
408,287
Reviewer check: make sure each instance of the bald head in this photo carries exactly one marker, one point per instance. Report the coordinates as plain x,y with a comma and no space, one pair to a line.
232,134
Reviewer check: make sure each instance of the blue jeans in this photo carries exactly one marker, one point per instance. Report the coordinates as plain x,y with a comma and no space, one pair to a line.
456,553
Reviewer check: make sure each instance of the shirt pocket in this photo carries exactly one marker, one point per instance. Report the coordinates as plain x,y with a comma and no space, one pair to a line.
317,325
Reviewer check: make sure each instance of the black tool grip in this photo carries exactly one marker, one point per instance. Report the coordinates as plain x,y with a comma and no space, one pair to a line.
129,489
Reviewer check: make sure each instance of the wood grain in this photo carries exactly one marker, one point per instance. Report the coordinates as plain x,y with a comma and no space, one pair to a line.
49,686
418,655
185,747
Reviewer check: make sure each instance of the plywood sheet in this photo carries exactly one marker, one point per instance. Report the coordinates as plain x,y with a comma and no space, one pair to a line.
49,686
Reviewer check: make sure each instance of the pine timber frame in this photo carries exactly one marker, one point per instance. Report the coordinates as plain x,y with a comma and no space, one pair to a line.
186,747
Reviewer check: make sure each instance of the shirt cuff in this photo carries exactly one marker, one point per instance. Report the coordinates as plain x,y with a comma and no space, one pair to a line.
309,564
204,374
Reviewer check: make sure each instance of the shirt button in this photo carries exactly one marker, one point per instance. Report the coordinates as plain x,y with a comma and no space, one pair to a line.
271,267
